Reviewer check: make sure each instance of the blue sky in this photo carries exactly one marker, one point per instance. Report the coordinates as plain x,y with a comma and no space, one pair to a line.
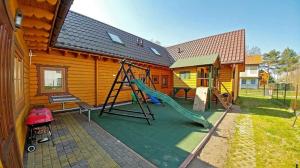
269,24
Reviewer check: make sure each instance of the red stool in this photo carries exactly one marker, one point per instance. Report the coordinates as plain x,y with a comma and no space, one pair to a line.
38,118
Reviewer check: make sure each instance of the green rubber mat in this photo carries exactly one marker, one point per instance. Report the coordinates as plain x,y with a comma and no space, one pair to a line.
196,117
167,141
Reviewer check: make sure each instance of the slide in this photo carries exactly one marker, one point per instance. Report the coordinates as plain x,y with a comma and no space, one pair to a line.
167,99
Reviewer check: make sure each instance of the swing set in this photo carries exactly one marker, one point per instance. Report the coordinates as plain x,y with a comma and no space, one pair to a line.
125,76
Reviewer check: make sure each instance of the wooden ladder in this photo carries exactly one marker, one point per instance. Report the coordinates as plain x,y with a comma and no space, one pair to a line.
226,101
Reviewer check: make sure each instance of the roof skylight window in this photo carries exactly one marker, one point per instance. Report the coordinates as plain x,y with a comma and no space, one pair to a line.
115,38
155,51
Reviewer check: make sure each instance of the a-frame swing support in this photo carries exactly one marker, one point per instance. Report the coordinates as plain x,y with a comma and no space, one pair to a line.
128,76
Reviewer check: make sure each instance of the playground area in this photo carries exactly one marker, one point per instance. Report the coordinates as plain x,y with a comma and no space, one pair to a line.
168,140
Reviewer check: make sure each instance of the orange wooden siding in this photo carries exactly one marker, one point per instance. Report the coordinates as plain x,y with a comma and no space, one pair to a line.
82,80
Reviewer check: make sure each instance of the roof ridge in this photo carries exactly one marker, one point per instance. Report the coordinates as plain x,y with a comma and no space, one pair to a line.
207,37
116,28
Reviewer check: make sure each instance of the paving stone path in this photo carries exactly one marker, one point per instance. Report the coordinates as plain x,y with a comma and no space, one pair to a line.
82,144
244,154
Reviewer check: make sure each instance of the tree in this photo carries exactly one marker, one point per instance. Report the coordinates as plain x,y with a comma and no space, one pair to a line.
253,51
288,61
270,60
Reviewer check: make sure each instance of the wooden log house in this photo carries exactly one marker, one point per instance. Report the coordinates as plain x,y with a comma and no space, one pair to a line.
55,51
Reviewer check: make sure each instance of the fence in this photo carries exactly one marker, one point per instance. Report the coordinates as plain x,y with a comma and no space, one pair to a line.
284,94
287,95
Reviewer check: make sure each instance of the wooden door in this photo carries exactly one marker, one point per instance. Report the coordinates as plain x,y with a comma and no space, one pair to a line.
9,150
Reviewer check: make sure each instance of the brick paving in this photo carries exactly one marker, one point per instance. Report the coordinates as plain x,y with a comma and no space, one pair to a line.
82,144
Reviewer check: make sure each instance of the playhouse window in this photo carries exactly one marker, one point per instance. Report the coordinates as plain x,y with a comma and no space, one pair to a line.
155,51
155,79
52,80
253,81
244,81
115,38
164,81
184,75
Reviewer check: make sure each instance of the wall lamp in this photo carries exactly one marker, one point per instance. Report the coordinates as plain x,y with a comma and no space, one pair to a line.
18,19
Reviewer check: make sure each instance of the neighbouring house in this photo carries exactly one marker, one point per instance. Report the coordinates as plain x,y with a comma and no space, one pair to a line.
57,51
231,49
250,78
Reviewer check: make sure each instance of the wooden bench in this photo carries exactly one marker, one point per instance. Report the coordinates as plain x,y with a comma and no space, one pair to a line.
85,107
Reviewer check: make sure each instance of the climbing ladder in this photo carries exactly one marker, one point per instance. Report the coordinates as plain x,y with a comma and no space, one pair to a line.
117,87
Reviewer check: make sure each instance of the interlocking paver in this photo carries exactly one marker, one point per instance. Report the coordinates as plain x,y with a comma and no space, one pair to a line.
244,155
80,144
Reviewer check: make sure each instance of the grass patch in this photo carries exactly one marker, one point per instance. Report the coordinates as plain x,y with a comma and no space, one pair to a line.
276,142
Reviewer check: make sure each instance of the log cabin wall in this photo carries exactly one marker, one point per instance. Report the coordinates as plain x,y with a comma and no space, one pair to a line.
89,77
34,33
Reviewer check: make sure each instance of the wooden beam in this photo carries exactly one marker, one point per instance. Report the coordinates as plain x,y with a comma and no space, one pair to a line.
35,32
38,48
36,23
36,44
49,50
65,52
51,2
30,11
36,39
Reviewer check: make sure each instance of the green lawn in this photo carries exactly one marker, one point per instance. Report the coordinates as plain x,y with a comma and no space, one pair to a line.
264,136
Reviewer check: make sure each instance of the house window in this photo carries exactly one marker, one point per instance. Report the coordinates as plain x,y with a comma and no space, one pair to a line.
253,81
18,84
115,38
164,81
155,79
184,75
155,51
52,80
244,81
142,77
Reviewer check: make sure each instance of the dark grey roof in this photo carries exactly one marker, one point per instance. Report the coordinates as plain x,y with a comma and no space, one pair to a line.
82,33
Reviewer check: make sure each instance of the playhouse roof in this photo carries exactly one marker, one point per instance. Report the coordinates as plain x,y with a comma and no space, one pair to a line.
230,46
196,61
85,34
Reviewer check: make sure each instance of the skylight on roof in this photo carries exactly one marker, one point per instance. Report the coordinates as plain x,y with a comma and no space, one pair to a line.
155,51
115,38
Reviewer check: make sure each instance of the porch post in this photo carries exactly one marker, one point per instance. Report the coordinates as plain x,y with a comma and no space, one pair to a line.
209,86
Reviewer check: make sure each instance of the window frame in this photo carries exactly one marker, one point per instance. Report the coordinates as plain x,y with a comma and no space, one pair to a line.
167,81
186,74
244,81
40,71
112,36
154,50
155,76
19,89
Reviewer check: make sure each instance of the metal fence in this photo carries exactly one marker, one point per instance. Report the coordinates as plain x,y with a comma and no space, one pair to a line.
284,94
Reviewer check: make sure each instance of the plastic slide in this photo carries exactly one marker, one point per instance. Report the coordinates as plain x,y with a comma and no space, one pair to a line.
167,99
